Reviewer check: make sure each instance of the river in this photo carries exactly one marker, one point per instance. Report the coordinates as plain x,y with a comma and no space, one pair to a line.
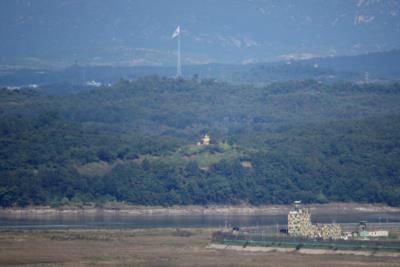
115,221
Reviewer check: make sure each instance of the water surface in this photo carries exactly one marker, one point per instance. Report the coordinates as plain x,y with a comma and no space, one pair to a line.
115,221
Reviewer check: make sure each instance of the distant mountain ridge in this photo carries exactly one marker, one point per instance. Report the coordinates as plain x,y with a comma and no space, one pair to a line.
57,33
382,66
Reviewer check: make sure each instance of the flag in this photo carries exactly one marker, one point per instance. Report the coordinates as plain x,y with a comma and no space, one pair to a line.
176,32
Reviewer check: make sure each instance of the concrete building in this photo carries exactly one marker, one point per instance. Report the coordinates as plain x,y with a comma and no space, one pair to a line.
379,233
299,221
299,224
327,231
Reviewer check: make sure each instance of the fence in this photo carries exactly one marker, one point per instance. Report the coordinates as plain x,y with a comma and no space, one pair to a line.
268,240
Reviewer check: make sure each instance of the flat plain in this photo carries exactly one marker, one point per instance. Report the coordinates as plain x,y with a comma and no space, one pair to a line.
150,247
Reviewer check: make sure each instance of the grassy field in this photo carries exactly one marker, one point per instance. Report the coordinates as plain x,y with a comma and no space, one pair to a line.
150,247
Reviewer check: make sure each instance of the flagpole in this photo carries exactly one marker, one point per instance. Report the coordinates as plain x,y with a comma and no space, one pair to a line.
178,64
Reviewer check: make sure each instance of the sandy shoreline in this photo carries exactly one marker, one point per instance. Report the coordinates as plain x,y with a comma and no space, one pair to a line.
339,208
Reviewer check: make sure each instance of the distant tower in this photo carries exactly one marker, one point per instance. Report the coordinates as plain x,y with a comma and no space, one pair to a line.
177,35
366,78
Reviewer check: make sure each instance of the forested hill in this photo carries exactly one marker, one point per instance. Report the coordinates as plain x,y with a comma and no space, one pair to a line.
135,142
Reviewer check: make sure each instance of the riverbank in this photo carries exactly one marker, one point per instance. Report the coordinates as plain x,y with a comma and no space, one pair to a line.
153,247
308,251
332,208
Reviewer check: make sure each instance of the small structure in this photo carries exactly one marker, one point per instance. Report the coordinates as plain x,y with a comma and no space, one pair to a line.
363,232
379,233
205,140
246,164
362,226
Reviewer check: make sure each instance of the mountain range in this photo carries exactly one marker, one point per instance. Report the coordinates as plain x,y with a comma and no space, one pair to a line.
58,33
